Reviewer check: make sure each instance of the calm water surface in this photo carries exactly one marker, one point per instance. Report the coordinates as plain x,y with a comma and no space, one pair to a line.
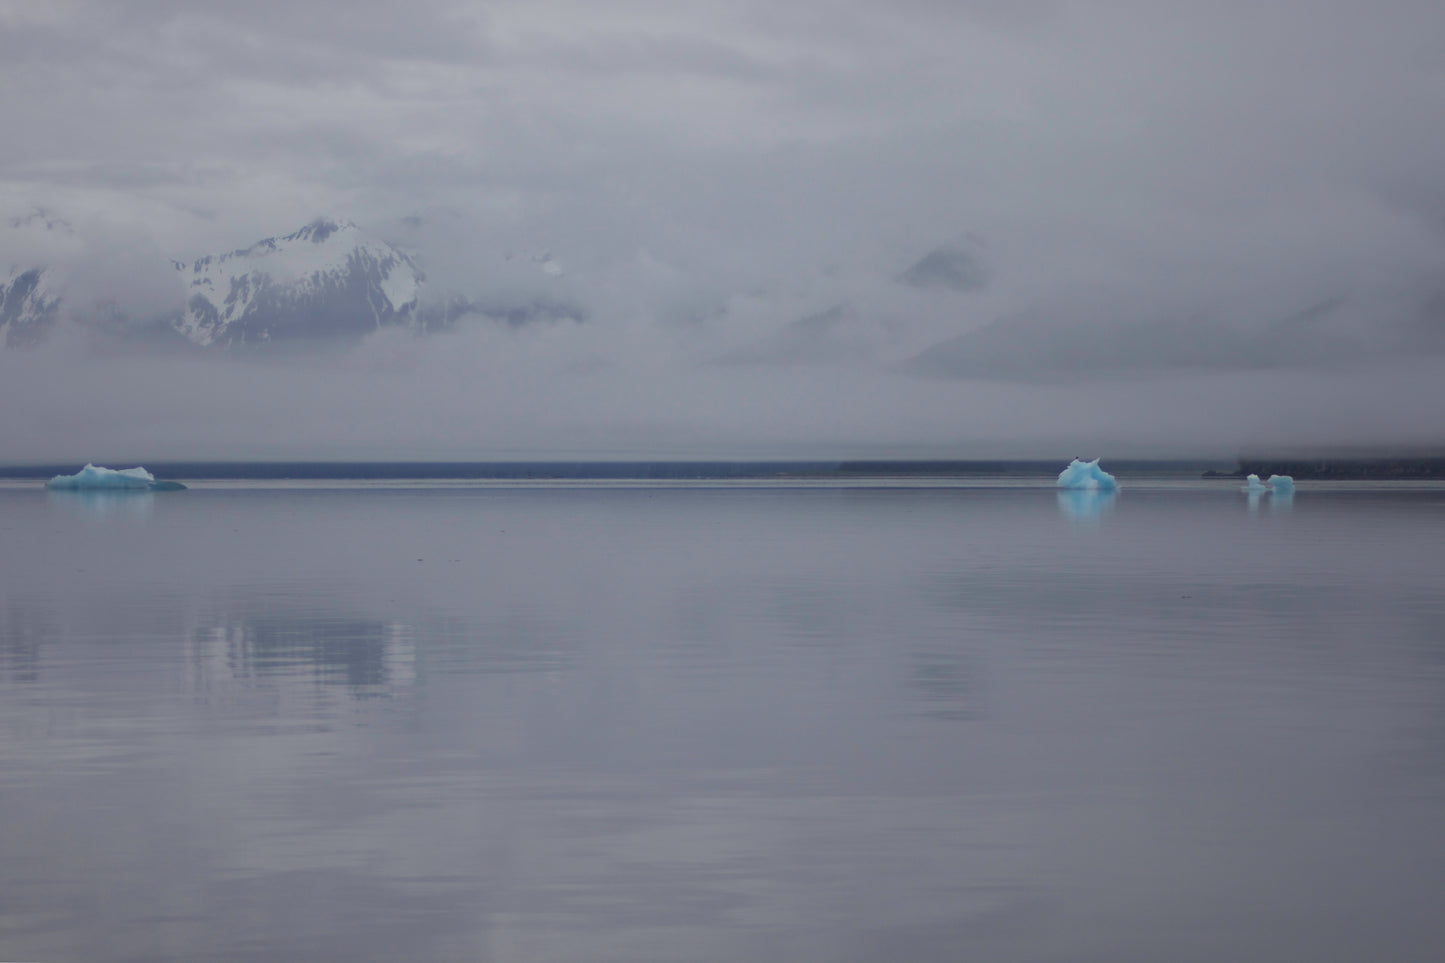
733,722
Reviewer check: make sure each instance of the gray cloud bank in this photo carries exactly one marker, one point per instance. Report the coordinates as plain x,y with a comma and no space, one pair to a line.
860,227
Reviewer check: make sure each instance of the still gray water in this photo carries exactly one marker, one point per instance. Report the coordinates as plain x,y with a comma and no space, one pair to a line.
722,722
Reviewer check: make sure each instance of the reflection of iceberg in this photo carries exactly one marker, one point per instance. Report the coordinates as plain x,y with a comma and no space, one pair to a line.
94,478
1087,476
105,503
1085,504
1281,492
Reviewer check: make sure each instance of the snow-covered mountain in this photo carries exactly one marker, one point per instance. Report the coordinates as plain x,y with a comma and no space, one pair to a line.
29,305
29,293
327,279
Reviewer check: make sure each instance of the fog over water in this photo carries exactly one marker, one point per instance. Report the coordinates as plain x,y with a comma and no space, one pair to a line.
916,228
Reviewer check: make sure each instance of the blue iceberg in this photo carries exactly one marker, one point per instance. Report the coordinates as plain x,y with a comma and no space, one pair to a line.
1282,485
95,478
1087,476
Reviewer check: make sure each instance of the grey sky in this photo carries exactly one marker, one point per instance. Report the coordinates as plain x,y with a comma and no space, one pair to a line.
1158,194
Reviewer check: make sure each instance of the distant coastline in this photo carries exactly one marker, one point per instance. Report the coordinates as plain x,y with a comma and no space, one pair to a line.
619,470
1351,467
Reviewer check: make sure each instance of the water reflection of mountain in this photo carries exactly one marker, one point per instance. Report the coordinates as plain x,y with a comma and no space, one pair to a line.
369,656
22,628
947,685
519,638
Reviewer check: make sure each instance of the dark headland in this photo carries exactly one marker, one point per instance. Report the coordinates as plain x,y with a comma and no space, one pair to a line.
1341,467
626,470
1355,463
1346,467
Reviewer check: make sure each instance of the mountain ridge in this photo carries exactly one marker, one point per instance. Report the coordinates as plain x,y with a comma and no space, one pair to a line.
326,278
328,281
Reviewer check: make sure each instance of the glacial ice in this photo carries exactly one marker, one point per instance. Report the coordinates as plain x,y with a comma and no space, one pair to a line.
95,478
1087,476
1281,484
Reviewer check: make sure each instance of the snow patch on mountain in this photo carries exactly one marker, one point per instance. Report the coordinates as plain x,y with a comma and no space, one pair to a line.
401,285
547,264
29,304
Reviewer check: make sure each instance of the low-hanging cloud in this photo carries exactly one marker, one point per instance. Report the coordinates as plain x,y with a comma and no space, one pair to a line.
1211,225
489,391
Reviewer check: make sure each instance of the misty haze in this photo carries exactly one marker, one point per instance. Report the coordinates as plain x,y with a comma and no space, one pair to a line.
601,487
987,229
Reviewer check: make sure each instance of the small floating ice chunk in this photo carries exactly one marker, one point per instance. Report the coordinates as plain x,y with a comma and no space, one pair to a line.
95,478
1280,484
1087,476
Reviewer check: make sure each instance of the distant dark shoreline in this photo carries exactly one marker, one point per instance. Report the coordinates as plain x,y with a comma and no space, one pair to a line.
1346,469
1351,468
583,470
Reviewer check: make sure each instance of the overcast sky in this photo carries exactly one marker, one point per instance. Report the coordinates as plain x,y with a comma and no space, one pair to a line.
1192,227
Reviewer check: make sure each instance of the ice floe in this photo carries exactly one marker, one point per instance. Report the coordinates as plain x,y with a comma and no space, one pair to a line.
96,478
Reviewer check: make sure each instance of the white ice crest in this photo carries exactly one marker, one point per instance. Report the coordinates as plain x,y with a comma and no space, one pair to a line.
93,477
